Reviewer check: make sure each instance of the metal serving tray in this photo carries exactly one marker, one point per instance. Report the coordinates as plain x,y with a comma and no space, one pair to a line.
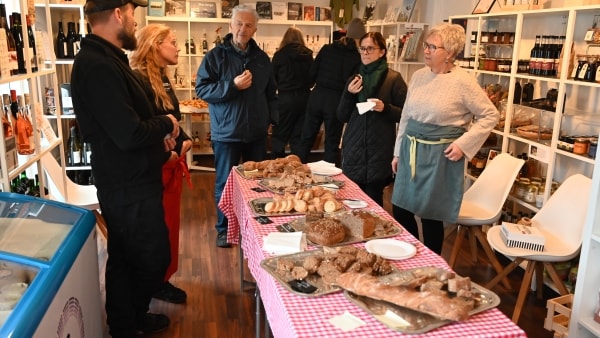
409,321
318,180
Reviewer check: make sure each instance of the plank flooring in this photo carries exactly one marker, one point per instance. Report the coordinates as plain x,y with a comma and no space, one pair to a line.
217,307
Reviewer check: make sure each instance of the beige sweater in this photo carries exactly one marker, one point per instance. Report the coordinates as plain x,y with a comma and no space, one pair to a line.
451,99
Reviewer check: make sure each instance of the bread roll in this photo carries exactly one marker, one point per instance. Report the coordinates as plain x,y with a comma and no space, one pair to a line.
331,205
293,158
270,207
249,165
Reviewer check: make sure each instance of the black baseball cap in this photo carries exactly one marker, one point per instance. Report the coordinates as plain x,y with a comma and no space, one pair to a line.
94,6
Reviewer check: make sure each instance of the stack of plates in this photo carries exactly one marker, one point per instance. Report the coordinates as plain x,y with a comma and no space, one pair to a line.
391,248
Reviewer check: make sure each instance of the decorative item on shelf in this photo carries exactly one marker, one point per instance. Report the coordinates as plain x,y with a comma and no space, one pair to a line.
279,10
406,10
308,13
294,12
227,7
264,10
156,8
175,7
483,6
593,34
202,9
369,11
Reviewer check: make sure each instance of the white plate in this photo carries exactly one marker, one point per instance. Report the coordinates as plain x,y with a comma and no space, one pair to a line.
391,248
355,204
324,168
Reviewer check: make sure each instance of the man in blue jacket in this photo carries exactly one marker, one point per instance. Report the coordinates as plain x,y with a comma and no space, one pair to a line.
236,79
128,142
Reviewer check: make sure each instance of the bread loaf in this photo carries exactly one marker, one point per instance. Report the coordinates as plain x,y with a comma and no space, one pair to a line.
325,231
435,303
360,224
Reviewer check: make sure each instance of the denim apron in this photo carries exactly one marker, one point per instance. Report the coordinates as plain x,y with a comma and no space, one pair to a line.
427,183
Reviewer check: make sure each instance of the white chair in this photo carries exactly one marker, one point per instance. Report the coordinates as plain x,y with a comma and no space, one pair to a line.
482,205
561,220
83,196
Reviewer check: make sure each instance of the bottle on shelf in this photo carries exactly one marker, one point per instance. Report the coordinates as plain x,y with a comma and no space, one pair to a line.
74,147
534,55
204,43
17,32
71,40
23,128
13,67
192,46
61,42
87,154
196,138
7,124
32,49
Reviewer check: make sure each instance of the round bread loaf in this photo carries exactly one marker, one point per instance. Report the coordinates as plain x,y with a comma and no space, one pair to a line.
325,231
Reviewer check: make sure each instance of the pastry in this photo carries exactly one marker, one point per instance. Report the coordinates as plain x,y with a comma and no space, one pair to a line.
325,231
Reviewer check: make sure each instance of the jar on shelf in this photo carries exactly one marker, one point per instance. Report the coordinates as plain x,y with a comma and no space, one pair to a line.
539,198
504,65
491,64
523,66
531,193
521,188
485,37
580,146
580,70
592,148
590,72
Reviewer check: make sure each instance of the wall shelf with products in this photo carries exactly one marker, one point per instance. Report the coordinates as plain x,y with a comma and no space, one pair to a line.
32,143
557,122
403,39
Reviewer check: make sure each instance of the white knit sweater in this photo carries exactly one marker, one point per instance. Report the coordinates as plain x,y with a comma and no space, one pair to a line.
451,99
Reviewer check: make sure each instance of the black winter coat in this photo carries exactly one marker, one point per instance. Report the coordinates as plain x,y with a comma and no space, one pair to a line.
368,141
334,63
291,66
117,118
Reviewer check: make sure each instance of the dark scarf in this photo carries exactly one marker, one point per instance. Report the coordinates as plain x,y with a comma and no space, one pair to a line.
372,76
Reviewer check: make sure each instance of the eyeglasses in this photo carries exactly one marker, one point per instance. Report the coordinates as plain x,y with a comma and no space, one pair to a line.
367,50
172,42
432,48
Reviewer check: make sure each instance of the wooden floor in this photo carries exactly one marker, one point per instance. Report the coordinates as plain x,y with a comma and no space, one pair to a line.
216,307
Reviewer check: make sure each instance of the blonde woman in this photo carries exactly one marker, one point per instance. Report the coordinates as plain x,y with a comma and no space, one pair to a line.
157,49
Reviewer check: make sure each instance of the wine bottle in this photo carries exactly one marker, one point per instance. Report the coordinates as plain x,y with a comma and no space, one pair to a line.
74,148
192,46
87,153
7,124
13,67
32,49
17,32
71,39
61,42
204,44
533,56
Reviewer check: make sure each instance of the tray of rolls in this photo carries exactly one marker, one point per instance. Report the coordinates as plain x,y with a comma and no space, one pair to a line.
316,270
344,227
314,198
256,170
417,300
292,183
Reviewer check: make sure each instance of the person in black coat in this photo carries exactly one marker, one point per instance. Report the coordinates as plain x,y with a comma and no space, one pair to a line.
369,137
291,66
334,63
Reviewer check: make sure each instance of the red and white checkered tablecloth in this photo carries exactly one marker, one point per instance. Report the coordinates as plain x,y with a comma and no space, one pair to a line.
291,315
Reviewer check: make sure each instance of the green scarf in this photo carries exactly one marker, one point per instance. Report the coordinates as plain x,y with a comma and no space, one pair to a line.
372,76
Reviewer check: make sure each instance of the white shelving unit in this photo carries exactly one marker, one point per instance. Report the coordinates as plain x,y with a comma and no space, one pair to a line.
587,290
575,114
32,84
393,32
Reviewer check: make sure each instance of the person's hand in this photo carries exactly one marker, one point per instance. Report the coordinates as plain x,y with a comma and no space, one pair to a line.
395,165
453,152
175,131
243,81
173,156
355,86
378,105
185,147
169,143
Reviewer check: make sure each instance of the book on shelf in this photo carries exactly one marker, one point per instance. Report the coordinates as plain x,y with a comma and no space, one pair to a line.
176,8
324,13
203,9
227,7
156,8
279,10
264,10
309,13
294,11
369,11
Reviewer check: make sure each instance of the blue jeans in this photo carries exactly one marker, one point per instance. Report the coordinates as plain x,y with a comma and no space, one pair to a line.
228,155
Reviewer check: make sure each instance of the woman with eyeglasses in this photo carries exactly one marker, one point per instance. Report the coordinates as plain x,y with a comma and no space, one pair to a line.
445,120
157,49
368,141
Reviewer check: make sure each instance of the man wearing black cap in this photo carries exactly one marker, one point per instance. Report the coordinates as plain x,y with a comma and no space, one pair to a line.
128,143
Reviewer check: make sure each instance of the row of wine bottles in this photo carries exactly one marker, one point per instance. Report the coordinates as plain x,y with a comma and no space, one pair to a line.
15,41
78,153
67,46
16,121
545,55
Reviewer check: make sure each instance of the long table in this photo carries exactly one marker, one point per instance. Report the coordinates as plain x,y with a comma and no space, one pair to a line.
291,315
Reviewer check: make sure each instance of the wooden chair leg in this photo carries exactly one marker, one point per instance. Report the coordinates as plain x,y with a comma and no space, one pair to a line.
560,285
460,233
478,233
101,223
539,279
473,243
523,291
507,269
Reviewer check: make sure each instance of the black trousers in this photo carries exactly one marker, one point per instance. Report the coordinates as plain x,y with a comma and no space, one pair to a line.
138,257
321,109
433,230
292,108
